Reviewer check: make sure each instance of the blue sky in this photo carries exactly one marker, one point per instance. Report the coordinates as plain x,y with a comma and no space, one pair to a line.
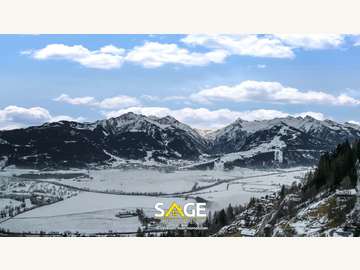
205,81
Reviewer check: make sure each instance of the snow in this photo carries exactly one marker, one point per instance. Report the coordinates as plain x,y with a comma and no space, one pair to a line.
87,213
142,180
8,203
305,124
91,212
346,192
309,221
242,190
13,187
274,145
147,180
279,156
206,133
248,232
136,122
2,141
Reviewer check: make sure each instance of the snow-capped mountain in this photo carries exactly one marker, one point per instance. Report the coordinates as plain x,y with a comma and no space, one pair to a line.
288,141
137,136
280,141
129,136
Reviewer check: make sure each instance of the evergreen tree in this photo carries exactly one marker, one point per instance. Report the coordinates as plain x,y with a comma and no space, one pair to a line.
139,233
230,213
222,218
335,170
282,192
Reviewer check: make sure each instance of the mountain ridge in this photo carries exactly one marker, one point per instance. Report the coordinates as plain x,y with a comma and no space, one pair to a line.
280,141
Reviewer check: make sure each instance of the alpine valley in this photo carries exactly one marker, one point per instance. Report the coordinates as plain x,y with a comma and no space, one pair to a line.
150,140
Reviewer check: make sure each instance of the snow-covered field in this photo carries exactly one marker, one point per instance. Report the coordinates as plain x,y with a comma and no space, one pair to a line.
152,180
28,187
87,213
142,180
91,212
240,191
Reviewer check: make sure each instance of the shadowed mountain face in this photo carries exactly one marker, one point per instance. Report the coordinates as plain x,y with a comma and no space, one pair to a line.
137,137
289,141
129,136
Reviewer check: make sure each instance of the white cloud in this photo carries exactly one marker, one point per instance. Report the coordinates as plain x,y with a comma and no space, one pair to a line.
149,55
205,118
76,101
273,46
107,57
61,51
261,66
20,114
250,45
111,49
312,41
120,101
154,54
270,92
16,117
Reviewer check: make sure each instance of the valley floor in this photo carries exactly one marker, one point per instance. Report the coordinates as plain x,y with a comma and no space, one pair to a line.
88,201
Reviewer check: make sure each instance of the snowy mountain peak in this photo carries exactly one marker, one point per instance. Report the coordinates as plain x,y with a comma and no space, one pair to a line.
308,117
295,139
304,124
168,120
240,121
129,115
288,140
352,125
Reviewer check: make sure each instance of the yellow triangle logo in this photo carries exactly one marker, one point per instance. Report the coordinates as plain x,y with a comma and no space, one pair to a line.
174,211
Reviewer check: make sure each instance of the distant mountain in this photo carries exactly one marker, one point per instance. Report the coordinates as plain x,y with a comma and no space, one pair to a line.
288,141
280,141
129,136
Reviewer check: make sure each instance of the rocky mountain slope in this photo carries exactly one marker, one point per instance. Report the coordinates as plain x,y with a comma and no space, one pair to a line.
325,203
287,141
328,214
129,136
277,142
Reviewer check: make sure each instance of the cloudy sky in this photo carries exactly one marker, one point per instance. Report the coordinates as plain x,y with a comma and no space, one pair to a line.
206,81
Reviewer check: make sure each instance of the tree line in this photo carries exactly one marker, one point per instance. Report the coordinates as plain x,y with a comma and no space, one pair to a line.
335,170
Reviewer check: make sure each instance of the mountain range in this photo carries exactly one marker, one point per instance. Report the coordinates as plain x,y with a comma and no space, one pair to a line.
278,142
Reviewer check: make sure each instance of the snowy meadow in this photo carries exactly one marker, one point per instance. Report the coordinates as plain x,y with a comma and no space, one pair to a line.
89,201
